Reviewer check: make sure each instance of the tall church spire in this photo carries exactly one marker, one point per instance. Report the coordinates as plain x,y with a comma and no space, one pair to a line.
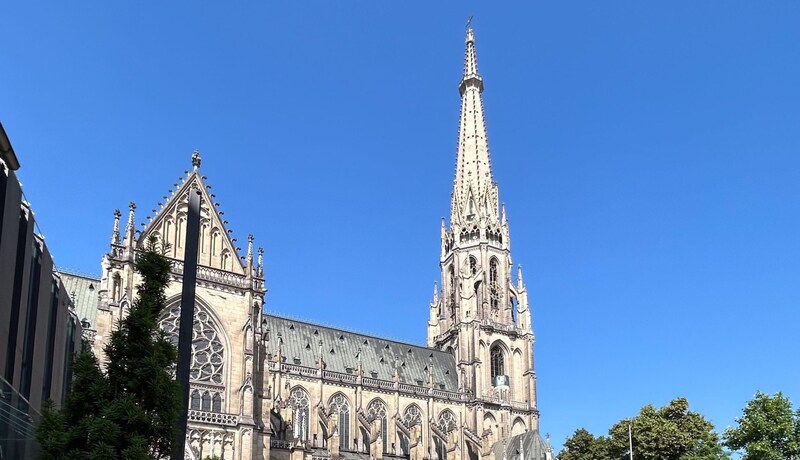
481,315
474,192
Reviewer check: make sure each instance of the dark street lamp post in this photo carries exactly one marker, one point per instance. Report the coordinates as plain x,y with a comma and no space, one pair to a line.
187,317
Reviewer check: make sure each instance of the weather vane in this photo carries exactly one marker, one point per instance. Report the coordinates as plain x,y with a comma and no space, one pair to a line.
469,21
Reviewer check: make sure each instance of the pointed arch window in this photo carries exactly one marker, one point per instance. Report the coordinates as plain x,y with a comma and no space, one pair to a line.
298,401
116,289
377,411
497,362
203,238
214,242
412,416
494,285
180,231
226,258
447,423
167,231
195,400
451,285
216,403
208,355
473,265
340,406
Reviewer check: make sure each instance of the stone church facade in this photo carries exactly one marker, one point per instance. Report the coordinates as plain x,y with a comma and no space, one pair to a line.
267,387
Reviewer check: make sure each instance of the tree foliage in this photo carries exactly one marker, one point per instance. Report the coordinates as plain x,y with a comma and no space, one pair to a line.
672,432
582,445
130,410
767,429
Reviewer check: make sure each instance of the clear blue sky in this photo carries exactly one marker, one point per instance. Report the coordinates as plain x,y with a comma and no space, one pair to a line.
648,155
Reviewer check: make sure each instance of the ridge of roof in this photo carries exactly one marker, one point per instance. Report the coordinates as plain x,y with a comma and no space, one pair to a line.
350,331
79,274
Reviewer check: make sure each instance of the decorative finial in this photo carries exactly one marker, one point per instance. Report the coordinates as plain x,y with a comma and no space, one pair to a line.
519,277
196,160
131,215
130,227
115,232
435,292
470,33
250,249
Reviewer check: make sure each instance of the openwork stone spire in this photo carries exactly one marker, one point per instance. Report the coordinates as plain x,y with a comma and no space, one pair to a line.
474,193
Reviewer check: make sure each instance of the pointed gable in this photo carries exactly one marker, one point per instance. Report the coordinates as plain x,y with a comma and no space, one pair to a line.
217,249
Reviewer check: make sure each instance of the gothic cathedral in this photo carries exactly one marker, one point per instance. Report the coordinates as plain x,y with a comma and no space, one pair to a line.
268,387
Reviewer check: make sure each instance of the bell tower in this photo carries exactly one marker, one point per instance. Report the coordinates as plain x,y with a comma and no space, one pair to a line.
480,308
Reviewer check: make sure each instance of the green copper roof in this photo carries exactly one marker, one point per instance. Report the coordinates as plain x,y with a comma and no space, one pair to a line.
341,351
85,288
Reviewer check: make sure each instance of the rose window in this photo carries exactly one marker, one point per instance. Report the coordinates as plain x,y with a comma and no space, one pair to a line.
207,348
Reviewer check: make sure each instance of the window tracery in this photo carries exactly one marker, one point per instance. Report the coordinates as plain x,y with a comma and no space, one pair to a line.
207,349
494,286
447,421
497,360
377,411
339,405
412,416
298,401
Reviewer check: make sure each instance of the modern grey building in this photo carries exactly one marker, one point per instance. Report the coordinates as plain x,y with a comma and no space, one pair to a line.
39,331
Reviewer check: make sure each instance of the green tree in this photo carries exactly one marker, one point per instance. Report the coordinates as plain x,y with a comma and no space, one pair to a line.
582,445
767,429
130,411
672,432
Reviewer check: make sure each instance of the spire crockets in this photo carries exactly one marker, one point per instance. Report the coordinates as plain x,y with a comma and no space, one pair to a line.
474,192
